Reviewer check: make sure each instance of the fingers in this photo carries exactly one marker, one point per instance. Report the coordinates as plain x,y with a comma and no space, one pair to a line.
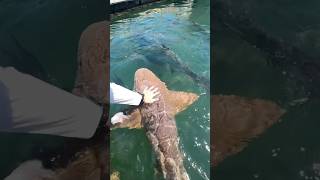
155,99
151,89
156,93
151,94
148,88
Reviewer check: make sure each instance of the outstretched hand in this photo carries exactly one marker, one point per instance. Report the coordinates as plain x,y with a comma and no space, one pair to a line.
119,118
151,94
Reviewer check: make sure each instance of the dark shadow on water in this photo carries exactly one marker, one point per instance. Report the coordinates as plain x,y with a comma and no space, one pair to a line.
259,55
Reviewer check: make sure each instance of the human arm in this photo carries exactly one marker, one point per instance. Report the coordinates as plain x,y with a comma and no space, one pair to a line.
121,95
29,105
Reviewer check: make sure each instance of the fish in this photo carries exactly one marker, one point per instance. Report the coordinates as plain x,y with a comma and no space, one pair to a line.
238,120
158,121
92,82
235,121
83,167
81,159
90,159
92,79
159,54
163,54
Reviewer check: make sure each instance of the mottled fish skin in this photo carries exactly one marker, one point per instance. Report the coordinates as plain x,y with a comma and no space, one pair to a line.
161,131
159,123
238,120
92,80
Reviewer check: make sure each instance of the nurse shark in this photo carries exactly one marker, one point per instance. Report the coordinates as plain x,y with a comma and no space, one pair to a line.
235,121
159,122
88,159
81,159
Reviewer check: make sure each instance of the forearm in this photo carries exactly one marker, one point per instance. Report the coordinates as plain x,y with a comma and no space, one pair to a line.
121,95
29,105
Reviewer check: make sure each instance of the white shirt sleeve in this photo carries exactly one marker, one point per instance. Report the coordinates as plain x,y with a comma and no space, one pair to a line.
121,95
29,105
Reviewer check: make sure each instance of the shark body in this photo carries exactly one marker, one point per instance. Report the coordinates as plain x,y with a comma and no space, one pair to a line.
160,126
159,123
235,118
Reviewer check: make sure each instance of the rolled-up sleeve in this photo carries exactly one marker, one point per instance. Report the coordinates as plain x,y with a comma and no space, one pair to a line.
29,105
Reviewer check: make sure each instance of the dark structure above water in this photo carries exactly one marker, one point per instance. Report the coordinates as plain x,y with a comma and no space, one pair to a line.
123,5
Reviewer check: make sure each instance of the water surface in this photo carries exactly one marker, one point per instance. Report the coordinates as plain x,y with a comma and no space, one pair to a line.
47,33
155,37
290,149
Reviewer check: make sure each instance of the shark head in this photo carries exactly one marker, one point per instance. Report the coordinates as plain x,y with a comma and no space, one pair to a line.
175,101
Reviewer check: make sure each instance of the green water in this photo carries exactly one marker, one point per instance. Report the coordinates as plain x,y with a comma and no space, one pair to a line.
290,149
138,39
49,31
